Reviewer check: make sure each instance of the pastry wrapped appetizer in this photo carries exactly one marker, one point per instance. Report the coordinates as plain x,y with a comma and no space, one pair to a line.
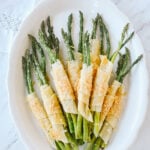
74,64
114,113
50,100
61,81
34,103
95,45
85,86
103,75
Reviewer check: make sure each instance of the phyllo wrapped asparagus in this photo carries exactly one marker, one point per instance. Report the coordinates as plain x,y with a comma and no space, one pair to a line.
95,45
114,113
103,75
74,62
50,101
85,82
109,99
101,83
113,116
34,103
63,88
61,81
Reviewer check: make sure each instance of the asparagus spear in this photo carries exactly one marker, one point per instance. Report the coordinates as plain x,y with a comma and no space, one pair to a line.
97,143
101,29
126,68
69,47
104,34
86,60
79,129
85,86
94,29
57,146
74,64
73,74
86,50
95,46
122,42
80,45
68,38
70,19
36,46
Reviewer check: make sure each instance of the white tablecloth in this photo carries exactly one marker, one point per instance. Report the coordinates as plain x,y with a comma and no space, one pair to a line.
11,15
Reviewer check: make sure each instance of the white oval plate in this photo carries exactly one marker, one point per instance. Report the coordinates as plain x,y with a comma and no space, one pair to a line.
136,102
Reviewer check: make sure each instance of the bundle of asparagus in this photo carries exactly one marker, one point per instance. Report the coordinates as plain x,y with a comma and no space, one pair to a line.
50,101
35,104
103,75
63,87
86,97
113,104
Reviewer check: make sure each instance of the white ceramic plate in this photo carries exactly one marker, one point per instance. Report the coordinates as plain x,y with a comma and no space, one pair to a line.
136,102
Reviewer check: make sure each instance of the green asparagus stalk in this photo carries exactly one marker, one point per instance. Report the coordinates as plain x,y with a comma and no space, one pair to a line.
101,28
86,60
66,38
98,21
70,123
57,146
104,37
36,46
90,145
122,42
27,73
79,130
70,46
104,34
70,20
38,70
124,66
85,130
97,143
94,29
80,45
86,50
61,145
52,38
96,122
